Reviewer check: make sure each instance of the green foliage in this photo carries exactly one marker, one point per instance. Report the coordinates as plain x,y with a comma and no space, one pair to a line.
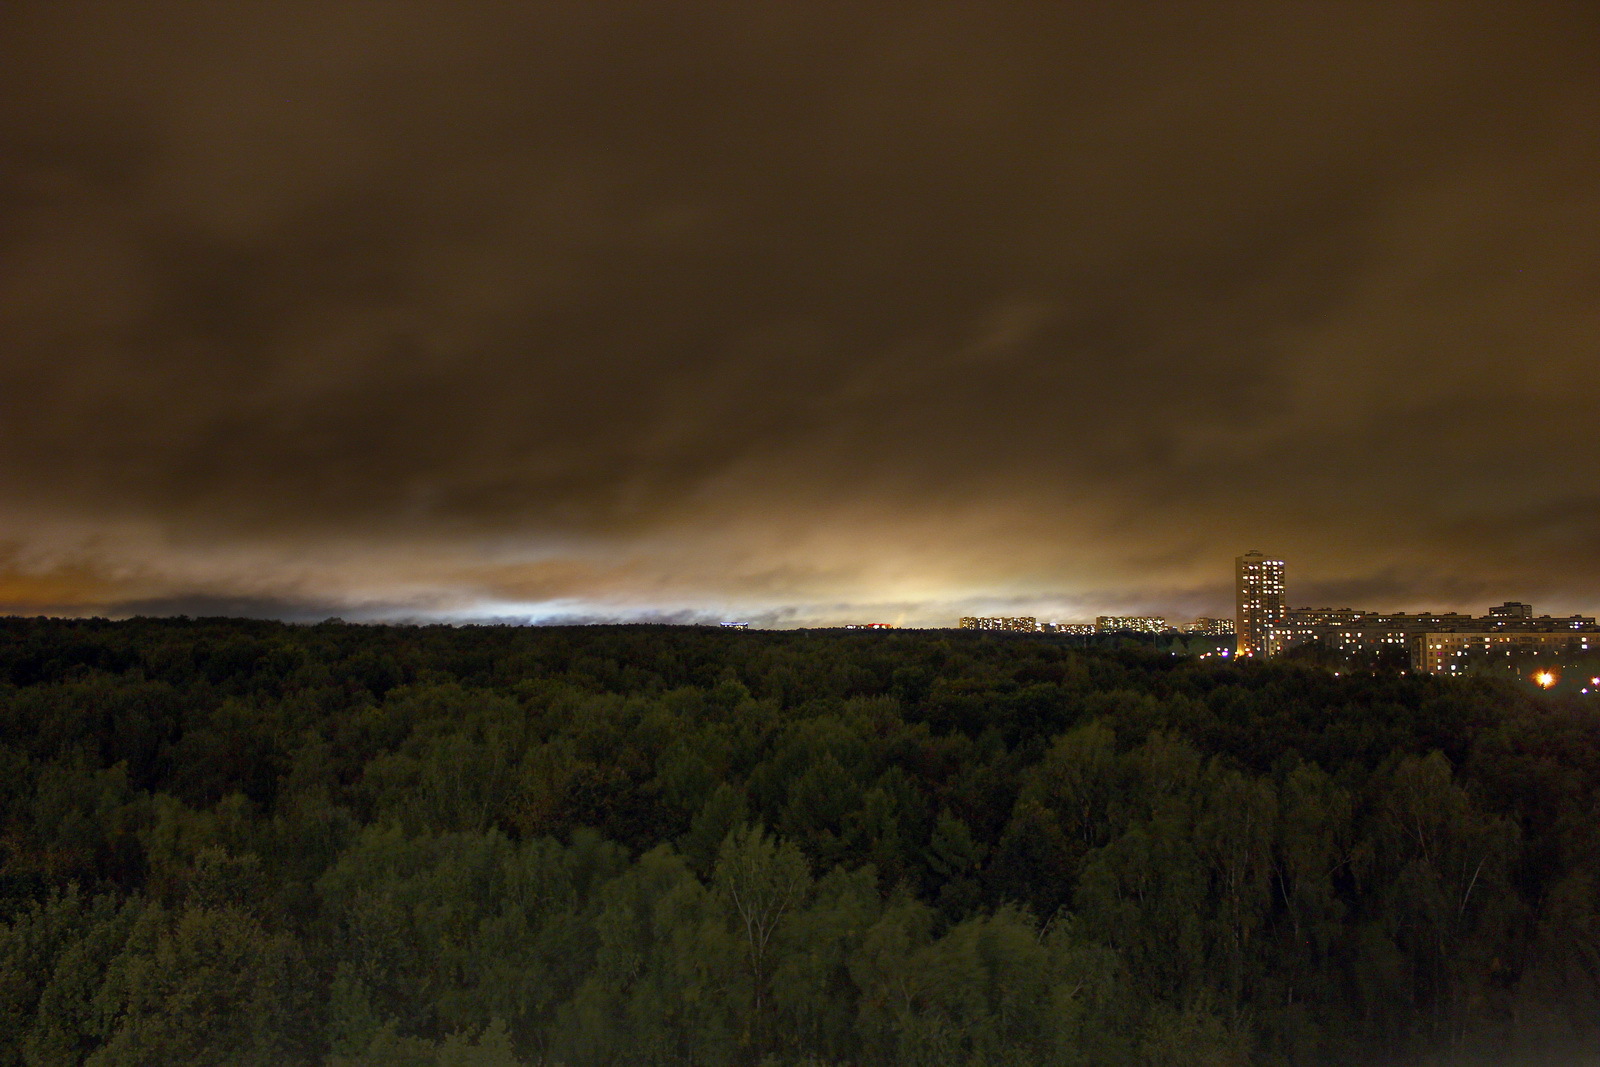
665,986
202,986
235,842
761,883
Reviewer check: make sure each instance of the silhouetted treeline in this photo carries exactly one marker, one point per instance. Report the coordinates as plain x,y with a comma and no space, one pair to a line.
230,842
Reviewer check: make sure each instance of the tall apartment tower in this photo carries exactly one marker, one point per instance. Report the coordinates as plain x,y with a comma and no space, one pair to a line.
1258,583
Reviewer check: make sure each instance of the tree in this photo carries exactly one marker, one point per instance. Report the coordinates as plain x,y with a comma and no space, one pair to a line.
763,881
665,985
1447,907
1234,833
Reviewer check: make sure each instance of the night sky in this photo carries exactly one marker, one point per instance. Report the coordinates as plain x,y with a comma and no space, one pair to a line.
796,312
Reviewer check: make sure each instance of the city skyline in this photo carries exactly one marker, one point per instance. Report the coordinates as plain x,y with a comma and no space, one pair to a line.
1507,638
795,313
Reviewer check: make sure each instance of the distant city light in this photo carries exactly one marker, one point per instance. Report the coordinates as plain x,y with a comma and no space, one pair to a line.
1023,623
1142,624
1445,643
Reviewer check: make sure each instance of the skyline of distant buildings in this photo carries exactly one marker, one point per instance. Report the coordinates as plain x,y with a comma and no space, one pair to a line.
1019,623
1204,626
1265,626
1134,624
1439,643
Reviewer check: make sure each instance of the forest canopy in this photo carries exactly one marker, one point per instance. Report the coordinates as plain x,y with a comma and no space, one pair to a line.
226,841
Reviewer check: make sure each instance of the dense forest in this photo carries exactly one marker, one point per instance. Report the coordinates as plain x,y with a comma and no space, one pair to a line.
233,842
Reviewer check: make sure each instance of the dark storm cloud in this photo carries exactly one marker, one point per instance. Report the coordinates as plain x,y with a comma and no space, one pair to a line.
709,306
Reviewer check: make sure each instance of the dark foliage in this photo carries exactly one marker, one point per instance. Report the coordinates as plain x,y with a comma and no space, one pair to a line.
247,842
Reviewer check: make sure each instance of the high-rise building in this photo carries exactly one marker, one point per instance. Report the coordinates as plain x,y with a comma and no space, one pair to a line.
1258,583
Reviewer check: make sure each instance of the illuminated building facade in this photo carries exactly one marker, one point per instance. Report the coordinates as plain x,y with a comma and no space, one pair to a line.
1300,625
1322,616
1438,642
1449,642
1205,626
1138,624
1077,628
1456,651
1258,588
869,626
1023,623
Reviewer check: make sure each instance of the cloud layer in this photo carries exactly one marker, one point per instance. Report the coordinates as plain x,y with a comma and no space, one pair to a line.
795,311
